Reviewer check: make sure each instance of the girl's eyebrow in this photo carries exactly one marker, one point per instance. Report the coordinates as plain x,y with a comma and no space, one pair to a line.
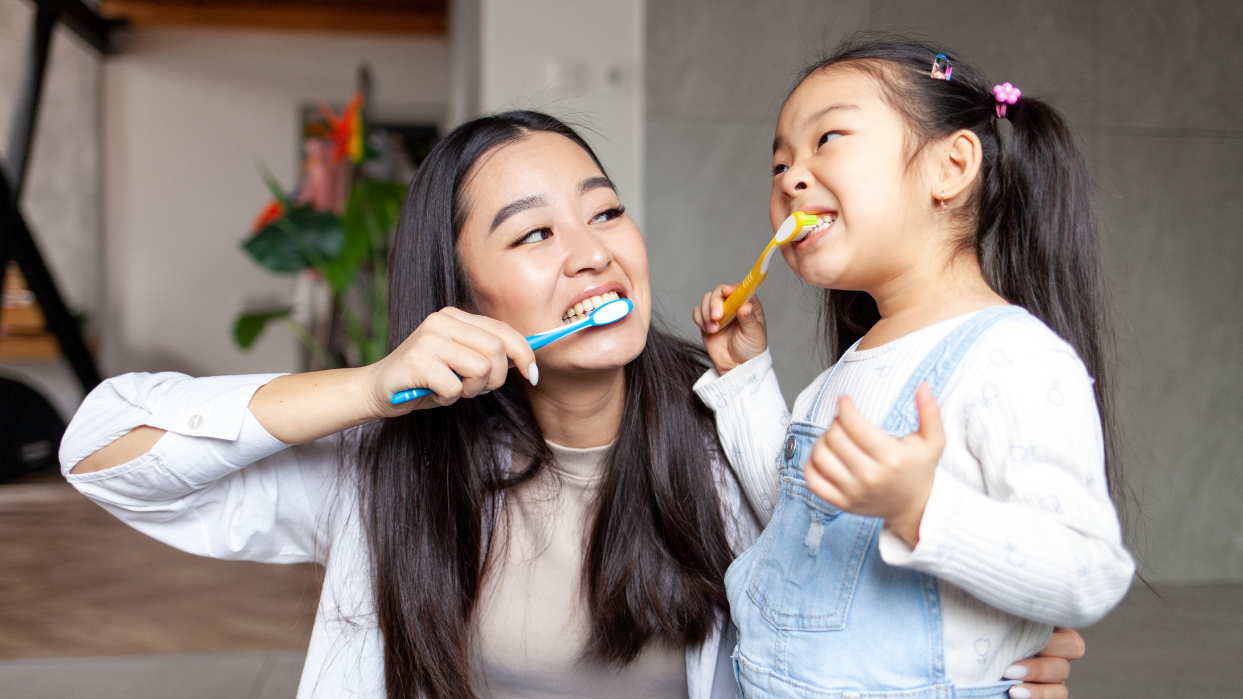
779,141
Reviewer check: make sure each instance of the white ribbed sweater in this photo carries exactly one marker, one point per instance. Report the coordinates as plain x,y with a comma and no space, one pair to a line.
1019,527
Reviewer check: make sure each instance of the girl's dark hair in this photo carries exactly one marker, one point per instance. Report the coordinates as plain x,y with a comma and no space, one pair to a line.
430,481
1030,219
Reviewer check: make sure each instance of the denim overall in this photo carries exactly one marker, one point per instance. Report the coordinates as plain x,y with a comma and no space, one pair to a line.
818,612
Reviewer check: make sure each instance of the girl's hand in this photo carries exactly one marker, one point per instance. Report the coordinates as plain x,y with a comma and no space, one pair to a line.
856,466
1045,675
454,353
744,339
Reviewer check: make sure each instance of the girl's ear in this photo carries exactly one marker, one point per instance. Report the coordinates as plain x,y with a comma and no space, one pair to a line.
957,164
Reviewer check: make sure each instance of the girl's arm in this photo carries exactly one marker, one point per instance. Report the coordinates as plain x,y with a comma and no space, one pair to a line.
742,390
1042,541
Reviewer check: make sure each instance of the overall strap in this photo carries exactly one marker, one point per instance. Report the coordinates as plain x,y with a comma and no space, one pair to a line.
938,367
813,415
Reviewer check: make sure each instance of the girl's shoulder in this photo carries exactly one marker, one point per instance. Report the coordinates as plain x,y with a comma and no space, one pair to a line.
1017,340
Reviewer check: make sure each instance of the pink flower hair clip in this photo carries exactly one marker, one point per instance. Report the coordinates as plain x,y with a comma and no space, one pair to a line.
1005,93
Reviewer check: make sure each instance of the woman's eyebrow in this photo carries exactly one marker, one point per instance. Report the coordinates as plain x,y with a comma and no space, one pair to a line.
594,183
515,207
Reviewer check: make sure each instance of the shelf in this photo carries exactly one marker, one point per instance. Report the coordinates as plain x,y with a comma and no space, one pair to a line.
427,17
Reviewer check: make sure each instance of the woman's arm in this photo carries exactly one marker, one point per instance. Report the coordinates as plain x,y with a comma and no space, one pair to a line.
454,353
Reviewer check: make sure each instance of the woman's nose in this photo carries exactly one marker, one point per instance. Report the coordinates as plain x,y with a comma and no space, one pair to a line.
587,252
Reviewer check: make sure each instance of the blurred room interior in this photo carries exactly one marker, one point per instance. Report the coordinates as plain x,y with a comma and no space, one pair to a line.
139,131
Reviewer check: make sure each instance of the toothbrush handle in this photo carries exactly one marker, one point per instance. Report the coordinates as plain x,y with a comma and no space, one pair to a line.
746,289
409,395
539,340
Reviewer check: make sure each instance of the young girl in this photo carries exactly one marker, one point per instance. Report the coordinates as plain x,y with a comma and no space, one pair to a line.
918,551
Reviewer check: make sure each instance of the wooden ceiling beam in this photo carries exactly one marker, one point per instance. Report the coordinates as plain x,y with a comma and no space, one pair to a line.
371,16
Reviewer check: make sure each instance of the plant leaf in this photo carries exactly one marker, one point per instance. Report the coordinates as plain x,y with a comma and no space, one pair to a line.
248,326
302,238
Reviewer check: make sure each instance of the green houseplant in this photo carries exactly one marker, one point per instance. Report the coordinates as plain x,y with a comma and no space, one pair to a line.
332,230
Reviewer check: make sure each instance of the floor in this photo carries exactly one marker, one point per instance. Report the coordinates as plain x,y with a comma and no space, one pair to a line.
75,581
90,608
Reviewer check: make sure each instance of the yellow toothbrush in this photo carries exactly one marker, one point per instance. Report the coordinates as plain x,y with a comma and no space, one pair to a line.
793,228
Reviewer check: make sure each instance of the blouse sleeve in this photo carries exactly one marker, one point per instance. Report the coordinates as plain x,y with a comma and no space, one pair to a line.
751,419
1043,541
216,483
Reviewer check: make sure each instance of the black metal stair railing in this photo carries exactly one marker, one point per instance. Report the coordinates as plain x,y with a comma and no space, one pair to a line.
16,240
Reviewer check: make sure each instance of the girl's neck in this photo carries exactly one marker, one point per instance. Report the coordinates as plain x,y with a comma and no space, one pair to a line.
579,410
927,294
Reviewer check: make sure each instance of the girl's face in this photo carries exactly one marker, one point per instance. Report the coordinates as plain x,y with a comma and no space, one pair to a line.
544,232
841,151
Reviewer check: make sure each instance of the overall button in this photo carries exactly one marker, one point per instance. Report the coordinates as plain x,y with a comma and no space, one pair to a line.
195,421
791,445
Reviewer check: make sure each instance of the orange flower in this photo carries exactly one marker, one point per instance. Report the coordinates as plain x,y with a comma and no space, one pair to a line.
347,130
270,214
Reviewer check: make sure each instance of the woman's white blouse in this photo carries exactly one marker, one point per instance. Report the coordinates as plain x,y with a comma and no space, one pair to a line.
217,484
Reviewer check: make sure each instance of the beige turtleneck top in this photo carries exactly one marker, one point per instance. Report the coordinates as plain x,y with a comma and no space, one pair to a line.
533,621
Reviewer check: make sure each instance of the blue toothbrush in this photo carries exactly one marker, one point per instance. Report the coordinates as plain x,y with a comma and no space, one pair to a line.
610,312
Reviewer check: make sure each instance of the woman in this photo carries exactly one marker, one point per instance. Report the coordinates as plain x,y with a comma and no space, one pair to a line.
551,529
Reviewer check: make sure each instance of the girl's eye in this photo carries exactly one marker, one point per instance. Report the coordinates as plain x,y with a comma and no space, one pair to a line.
535,236
609,214
828,137
778,169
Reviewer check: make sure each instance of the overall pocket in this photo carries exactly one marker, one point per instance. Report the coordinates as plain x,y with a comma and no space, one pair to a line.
810,561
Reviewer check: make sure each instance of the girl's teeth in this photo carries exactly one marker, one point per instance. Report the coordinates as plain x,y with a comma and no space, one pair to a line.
589,305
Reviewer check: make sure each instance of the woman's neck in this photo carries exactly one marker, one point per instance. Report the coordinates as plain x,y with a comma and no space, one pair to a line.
579,410
928,294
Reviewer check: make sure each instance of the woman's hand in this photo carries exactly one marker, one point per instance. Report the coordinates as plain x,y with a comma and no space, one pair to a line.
456,355
858,467
744,339
1045,675
300,408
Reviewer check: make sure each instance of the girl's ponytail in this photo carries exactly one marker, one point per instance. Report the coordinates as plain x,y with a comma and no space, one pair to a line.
1031,221
1037,241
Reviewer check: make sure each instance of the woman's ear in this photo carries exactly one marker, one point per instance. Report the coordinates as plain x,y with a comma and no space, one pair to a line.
957,164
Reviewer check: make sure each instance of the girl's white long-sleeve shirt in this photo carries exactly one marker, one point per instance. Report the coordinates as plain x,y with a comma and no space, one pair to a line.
218,484
1019,527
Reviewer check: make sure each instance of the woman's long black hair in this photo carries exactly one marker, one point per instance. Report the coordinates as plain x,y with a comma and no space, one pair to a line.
1030,220
429,481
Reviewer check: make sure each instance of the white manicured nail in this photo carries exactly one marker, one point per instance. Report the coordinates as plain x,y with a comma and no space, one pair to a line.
1017,692
533,374
1015,672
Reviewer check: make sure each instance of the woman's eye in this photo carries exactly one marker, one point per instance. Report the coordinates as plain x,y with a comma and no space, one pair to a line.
778,169
609,214
828,137
534,236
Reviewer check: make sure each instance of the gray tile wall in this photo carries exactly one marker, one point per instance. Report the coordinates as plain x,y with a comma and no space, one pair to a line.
1156,92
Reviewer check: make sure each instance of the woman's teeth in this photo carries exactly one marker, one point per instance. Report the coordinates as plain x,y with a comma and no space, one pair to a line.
584,308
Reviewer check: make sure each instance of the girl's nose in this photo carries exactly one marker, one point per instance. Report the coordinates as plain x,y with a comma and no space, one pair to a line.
587,252
796,180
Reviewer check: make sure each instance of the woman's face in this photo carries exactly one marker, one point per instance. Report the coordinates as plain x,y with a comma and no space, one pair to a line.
544,232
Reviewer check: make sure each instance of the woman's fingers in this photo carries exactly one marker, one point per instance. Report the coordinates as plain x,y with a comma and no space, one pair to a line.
512,345
1065,643
1039,691
1039,670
